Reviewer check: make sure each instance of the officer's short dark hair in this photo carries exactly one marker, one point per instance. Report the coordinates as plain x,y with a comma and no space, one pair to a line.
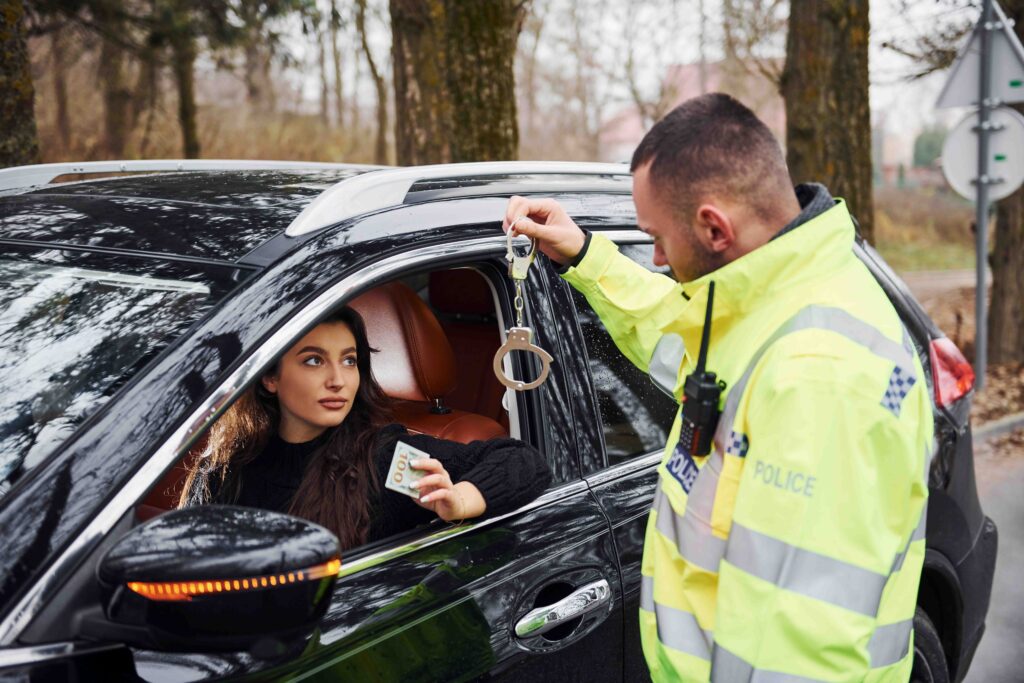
713,145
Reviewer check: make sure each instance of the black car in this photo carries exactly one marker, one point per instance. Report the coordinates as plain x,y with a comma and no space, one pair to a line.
134,309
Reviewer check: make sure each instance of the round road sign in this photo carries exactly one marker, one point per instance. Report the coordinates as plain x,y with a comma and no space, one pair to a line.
1006,154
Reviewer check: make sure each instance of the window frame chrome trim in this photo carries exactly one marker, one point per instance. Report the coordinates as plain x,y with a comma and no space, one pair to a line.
624,469
172,449
35,654
360,563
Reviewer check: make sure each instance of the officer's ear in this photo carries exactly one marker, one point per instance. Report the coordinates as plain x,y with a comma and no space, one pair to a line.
715,228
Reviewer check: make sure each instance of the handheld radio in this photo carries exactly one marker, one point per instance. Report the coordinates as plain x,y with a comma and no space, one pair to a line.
701,392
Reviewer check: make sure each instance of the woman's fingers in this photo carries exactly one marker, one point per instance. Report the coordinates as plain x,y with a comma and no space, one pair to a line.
427,465
432,481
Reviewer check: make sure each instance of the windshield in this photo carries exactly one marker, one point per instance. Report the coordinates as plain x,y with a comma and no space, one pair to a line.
69,337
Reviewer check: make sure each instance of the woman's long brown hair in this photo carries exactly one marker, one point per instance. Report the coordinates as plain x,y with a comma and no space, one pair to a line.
340,477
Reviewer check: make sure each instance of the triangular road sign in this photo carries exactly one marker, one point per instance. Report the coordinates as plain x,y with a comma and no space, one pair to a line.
961,90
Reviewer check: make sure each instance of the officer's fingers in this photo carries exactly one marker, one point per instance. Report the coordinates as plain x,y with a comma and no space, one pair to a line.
517,206
529,228
539,210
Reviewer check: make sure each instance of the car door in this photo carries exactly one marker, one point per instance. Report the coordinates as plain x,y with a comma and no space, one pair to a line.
451,603
621,439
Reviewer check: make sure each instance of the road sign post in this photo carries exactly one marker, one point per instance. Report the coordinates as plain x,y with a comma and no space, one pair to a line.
983,180
988,72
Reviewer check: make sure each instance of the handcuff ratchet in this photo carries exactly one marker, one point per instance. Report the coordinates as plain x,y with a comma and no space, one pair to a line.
520,337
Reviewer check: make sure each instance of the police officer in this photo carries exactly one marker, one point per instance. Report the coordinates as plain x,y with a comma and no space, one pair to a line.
793,550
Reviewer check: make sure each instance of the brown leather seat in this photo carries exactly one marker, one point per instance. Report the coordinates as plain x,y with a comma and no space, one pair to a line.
416,366
465,307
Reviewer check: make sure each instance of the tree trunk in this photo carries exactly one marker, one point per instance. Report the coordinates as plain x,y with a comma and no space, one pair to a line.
60,89
356,115
825,86
183,54
454,79
339,97
423,117
252,74
481,49
1006,314
19,143
535,28
380,149
325,83
117,95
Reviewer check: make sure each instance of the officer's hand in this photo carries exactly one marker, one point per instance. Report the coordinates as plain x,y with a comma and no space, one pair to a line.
547,222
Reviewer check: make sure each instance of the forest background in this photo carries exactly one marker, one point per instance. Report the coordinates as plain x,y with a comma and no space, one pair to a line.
427,81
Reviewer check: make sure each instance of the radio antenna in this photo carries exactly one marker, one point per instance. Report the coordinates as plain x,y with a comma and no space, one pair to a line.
702,357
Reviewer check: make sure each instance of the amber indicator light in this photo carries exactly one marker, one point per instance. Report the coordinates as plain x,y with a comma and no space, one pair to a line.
185,590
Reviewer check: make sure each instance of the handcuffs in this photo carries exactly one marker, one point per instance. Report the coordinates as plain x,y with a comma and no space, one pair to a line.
520,337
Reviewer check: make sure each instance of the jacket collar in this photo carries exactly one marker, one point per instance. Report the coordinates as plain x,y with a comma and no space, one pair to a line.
793,259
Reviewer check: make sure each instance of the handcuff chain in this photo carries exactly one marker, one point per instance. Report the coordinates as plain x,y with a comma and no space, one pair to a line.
518,303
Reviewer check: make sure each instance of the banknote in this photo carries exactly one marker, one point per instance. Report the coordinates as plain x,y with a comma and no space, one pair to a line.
401,474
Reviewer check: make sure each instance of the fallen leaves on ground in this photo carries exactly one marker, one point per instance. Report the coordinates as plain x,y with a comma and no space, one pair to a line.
1003,394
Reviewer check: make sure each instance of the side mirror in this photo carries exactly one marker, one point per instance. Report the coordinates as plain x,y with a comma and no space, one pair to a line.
217,578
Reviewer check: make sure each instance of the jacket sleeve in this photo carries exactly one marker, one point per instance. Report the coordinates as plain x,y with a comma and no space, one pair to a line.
508,472
829,495
634,304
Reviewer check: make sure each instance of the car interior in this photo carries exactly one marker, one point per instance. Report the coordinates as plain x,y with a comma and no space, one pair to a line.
436,335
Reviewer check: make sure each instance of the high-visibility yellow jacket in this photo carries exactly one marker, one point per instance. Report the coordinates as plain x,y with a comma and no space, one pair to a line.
795,547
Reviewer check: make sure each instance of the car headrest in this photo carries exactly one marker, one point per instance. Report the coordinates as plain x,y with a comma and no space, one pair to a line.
461,290
415,360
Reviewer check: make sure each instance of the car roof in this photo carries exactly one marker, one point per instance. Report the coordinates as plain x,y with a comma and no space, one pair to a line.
251,216
219,215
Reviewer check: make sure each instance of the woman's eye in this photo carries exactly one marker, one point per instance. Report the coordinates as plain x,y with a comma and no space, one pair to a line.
350,361
313,361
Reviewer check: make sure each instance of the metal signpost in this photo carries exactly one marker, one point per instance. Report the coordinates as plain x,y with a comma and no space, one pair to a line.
988,72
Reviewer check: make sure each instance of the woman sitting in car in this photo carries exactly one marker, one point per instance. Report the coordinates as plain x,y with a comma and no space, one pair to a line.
314,439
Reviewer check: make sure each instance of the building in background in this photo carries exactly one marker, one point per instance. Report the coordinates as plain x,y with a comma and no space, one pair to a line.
622,132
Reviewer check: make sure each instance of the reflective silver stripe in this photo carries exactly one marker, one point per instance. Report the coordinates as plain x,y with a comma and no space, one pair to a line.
917,535
647,593
805,572
727,667
890,643
701,500
693,539
677,629
663,367
824,318
908,343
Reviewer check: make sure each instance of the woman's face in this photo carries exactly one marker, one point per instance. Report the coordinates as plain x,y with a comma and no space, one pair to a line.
316,382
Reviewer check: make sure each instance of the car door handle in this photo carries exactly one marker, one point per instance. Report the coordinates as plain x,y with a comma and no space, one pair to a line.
581,601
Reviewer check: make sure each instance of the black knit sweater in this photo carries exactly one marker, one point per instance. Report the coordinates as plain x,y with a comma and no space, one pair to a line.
508,473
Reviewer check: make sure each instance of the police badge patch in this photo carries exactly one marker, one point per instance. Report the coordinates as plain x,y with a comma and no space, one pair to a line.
683,468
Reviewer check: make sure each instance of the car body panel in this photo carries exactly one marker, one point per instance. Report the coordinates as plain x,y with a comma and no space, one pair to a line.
482,577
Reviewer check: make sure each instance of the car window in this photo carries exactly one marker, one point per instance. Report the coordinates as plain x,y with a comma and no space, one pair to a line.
635,415
69,337
464,305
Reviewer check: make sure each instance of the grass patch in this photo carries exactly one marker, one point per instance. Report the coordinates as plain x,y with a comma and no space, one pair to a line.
904,256
923,229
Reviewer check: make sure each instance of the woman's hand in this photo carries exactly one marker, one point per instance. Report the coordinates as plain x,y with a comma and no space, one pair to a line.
450,502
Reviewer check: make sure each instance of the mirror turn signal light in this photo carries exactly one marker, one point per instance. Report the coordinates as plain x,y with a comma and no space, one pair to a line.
186,590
